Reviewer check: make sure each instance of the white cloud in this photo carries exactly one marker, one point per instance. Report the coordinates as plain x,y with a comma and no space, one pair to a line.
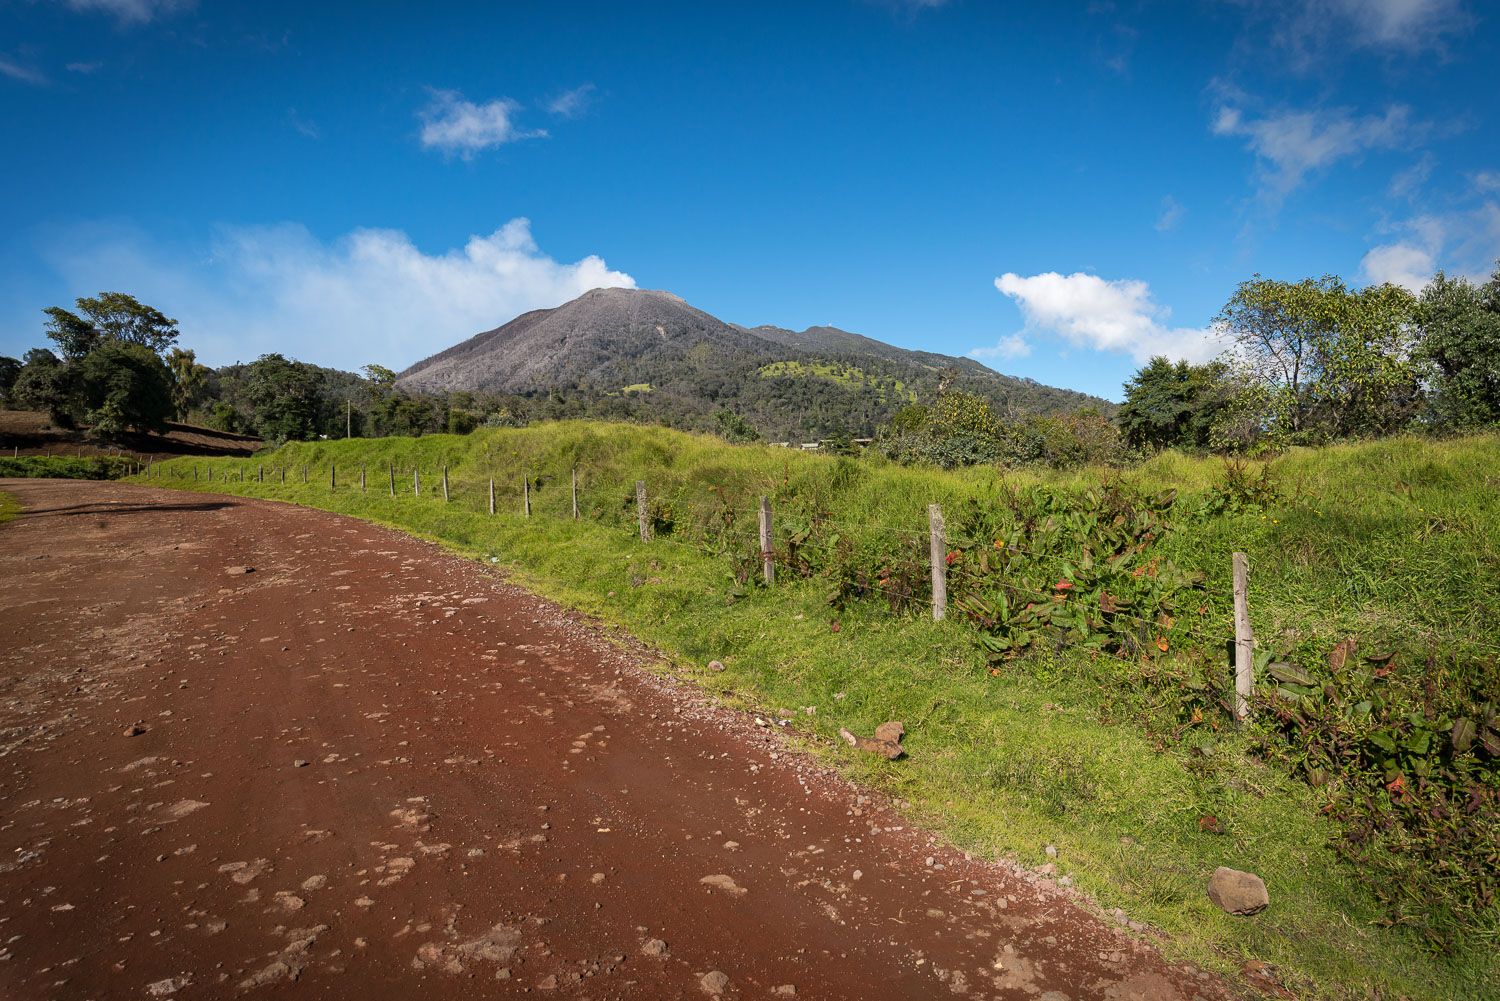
1464,241
572,103
1171,214
133,11
1014,346
1092,312
458,126
1403,24
20,71
1485,181
84,69
369,296
1409,181
1292,144
1314,33
1403,264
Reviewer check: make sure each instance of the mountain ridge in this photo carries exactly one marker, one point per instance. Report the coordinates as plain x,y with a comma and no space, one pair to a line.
652,343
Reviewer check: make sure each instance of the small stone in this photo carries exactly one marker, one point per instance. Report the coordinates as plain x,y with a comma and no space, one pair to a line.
713,982
134,730
892,731
725,883
300,763
1048,870
715,665
1051,851
547,983
1236,892
784,991
238,571
653,947
171,985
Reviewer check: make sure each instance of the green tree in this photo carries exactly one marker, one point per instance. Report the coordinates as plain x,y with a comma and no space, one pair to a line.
1363,357
125,387
190,379
10,370
45,383
109,316
379,377
1276,325
285,396
1460,350
733,427
1174,405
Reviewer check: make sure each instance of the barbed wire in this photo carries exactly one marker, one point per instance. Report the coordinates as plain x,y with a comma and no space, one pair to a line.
708,516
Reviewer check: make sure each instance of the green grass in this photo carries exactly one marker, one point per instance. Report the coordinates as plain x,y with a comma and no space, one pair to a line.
97,467
850,376
1401,534
9,507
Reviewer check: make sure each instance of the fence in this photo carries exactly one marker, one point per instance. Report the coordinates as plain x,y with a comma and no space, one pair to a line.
937,552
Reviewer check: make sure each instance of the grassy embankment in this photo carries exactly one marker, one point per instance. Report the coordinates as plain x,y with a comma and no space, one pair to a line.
1398,537
66,467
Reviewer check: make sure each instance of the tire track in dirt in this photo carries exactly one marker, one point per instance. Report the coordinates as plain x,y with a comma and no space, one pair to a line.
371,769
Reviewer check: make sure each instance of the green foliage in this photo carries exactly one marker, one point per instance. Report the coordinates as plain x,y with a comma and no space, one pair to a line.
63,467
109,317
284,397
1175,406
1460,351
733,428
190,379
1045,567
125,386
10,370
44,383
960,429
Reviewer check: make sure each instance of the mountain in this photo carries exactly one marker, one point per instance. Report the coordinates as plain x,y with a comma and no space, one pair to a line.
648,355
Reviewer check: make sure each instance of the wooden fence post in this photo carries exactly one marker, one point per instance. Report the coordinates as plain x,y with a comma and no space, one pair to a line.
526,495
492,495
767,560
333,476
939,553
1244,640
575,493
361,477
260,474
393,479
195,472
640,510
445,484
304,474
283,474
416,482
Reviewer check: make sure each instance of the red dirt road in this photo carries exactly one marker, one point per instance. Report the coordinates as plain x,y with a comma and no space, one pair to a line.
372,770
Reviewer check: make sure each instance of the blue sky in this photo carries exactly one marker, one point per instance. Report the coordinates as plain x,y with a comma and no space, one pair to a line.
1061,191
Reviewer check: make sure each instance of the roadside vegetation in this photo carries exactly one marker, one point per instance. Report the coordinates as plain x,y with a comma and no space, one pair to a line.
97,467
1079,695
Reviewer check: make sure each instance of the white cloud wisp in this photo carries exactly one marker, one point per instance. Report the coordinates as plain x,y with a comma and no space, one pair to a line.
459,127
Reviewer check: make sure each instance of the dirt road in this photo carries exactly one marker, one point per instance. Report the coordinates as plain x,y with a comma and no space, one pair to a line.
368,769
